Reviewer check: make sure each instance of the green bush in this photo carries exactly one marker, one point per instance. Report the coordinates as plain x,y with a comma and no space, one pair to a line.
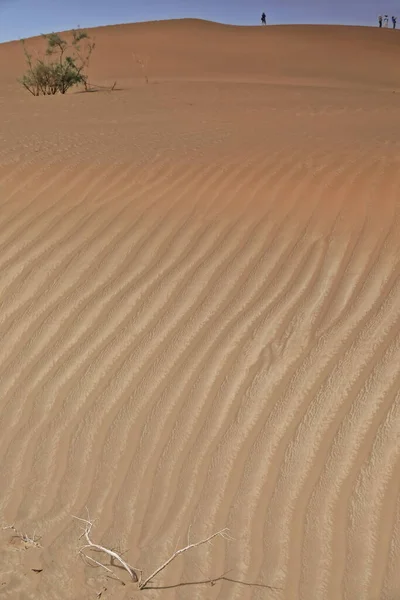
62,67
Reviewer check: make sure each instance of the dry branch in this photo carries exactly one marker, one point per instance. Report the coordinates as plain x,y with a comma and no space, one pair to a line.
90,87
223,533
133,570
86,534
142,64
34,541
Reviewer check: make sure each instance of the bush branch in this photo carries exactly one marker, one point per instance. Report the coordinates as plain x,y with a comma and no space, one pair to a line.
133,571
86,534
34,541
223,533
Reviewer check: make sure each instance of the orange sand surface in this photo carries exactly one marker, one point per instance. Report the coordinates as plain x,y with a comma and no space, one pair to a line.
200,316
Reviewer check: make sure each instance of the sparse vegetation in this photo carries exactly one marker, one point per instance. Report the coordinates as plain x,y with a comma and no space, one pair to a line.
143,64
90,549
62,67
136,574
32,540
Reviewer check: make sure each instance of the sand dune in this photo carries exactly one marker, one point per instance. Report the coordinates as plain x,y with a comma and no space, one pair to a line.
200,308
197,50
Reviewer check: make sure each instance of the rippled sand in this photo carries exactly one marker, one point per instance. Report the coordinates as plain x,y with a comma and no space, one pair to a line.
199,316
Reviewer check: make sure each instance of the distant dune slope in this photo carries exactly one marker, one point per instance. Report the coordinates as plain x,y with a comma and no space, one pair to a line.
200,317
201,50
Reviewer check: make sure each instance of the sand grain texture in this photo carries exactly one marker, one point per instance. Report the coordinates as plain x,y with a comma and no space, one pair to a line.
199,315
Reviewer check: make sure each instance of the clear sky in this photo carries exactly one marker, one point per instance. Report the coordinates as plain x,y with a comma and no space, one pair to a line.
24,18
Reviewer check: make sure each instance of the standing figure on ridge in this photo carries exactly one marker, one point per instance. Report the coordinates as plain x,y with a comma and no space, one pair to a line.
380,20
263,19
386,21
394,21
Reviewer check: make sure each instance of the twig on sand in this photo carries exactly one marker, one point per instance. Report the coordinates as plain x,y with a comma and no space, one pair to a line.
224,533
133,571
34,541
114,555
91,87
143,65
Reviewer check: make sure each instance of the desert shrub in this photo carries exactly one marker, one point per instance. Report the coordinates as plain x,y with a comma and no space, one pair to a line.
62,67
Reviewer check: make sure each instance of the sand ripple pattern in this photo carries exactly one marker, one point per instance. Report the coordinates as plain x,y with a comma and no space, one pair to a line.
200,346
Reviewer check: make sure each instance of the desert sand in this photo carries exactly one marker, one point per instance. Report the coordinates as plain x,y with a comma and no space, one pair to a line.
199,316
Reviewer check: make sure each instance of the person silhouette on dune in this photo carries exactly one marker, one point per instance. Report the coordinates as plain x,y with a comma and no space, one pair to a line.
263,19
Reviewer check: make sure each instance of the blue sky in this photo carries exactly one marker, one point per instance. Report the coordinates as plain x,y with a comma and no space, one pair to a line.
23,18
